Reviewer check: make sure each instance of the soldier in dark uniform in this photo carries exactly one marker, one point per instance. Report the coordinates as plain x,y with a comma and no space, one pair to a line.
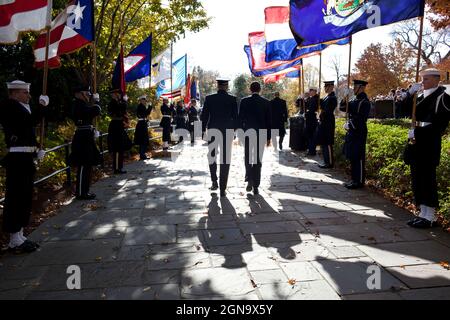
84,154
180,118
219,115
193,116
141,136
432,119
312,106
325,133
18,120
166,123
356,137
279,113
118,140
255,113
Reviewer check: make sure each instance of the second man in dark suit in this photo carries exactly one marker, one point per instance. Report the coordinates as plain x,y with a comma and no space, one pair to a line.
279,117
325,133
255,115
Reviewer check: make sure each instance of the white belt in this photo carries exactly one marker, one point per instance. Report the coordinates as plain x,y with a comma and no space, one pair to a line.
142,119
422,124
23,149
166,116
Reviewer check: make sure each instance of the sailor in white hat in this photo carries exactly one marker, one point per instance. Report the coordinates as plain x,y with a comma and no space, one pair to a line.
141,136
432,118
18,120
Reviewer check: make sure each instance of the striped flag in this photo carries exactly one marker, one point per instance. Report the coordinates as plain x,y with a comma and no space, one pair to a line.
23,15
70,31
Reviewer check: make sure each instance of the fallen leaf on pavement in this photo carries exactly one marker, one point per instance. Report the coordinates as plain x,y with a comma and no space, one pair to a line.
292,282
445,265
253,284
146,289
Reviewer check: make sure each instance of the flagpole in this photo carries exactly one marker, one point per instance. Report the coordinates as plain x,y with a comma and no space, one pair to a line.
94,70
413,122
303,79
320,78
348,76
44,84
171,70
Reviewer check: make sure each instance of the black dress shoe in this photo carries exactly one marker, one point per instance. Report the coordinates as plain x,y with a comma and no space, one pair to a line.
25,247
89,196
223,193
423,223
412,221
325,166
354,185
33,243
214,186
249,187
255,191
120,172
143,158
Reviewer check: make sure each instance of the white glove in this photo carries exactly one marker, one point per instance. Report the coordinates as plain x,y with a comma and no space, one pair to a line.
411,134
40,154
414,88
44,100
347,126
96,134
403,96
125,98
96,97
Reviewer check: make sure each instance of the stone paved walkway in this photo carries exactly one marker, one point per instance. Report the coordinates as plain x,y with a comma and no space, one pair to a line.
157,233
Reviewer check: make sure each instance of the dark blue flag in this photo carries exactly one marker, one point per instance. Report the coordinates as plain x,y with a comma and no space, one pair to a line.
137,64
315,21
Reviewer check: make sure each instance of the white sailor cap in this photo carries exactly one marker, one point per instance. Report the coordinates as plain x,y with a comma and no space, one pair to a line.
430,72
18,84
313,88
142,97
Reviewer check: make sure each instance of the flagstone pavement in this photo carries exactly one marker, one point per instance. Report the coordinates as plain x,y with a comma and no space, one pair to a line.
158,233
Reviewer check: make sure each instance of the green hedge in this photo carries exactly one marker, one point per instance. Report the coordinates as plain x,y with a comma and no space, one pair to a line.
385,143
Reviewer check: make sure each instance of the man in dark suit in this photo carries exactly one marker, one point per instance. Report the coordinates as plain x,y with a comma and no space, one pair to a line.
219,116
325,133
312,106
432,119
279,117
19,120
255,119
166,123
356,137
85,153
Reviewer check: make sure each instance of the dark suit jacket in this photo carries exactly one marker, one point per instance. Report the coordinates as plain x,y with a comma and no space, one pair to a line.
220,111
255,114
279,113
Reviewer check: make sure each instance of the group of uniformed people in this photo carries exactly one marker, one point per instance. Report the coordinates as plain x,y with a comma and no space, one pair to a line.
220,115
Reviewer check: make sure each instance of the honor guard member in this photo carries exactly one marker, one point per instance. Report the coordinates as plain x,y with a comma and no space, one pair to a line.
118,140
255,115
193,117
18,120
325,132
356,137
141,136
166,123
85,153
220,112
180,118
432,118
312,106
279,113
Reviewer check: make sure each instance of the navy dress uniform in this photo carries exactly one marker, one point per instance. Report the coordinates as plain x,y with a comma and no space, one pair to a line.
356,137
85,153
180,118
327,125
255,113
141,136
193,117
279,113
118,140
166,123
312,106
220,114
19,120
432,119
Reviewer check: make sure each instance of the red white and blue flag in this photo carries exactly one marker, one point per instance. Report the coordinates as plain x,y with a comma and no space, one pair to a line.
18,16
70,31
